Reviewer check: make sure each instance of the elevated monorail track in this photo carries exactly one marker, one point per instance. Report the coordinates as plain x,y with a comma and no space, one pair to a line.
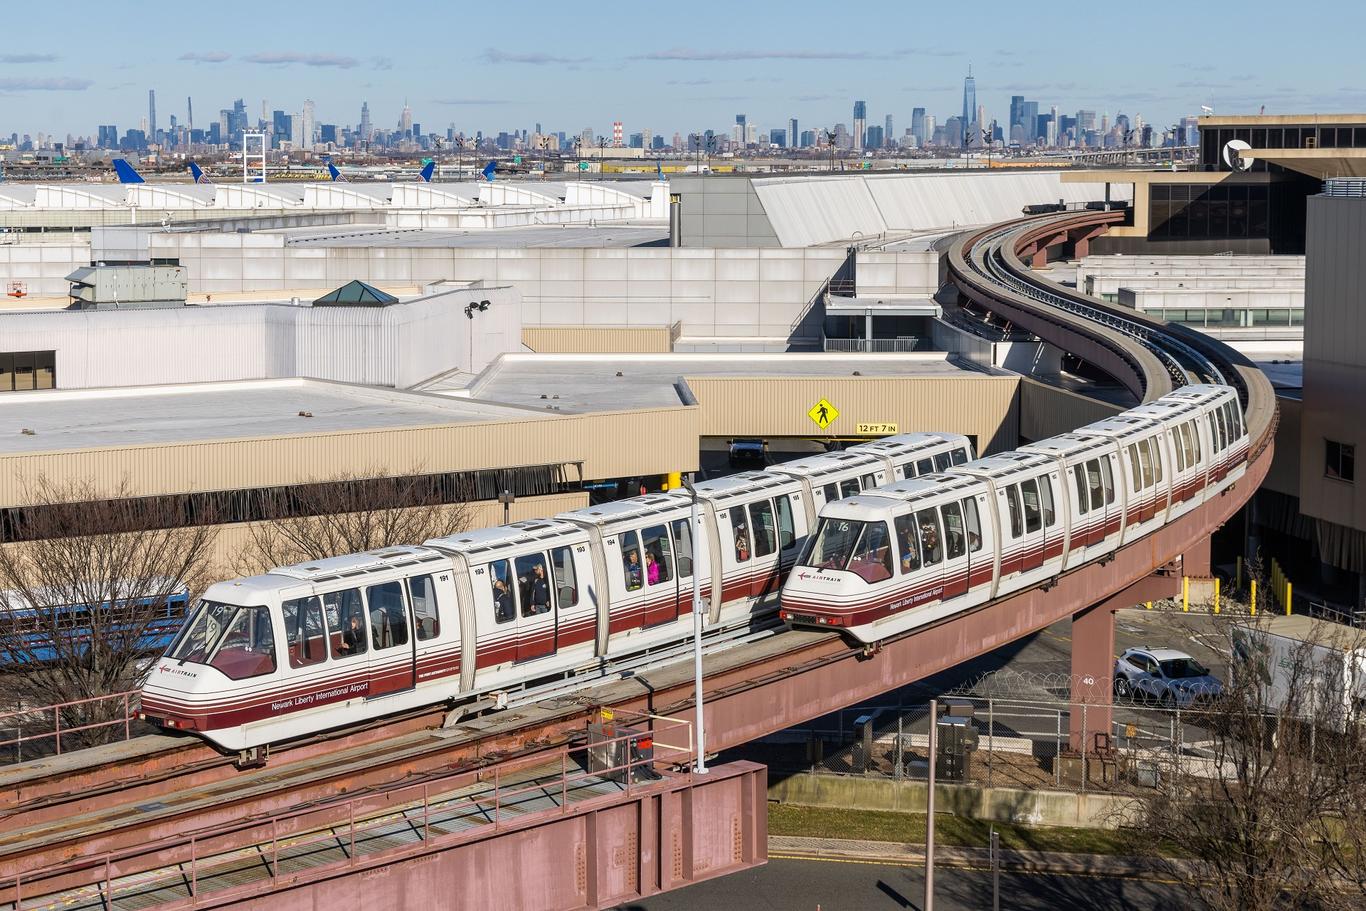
755,687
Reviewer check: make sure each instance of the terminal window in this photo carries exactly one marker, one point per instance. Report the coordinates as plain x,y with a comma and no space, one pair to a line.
23,370
1340,463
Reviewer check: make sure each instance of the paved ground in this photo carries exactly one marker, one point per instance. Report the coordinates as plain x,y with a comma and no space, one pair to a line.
804,884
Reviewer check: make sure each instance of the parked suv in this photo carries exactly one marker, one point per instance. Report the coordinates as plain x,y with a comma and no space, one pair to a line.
1163,675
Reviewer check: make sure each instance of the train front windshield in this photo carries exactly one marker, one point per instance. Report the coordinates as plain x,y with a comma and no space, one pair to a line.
860,547
237,640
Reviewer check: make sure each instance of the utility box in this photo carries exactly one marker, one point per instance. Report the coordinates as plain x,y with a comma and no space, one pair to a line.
957,740
127,287
614,752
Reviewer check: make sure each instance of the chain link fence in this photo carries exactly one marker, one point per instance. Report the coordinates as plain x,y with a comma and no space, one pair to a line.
1018,731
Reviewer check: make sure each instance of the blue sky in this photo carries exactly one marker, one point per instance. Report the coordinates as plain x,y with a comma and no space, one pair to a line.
669,66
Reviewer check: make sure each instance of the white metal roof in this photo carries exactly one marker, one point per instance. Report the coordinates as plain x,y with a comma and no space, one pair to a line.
483,539
358,564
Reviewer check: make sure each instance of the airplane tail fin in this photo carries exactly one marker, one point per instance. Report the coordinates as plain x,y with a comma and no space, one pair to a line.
428,170
198,174
659,170
335,174
489,170
126,172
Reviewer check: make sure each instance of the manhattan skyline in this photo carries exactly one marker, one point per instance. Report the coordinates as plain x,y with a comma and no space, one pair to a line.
678,70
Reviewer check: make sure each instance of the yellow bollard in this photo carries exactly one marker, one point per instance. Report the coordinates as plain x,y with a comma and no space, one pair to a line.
1216,594
675,480
1252,604
1287,597
1185,594
1150,605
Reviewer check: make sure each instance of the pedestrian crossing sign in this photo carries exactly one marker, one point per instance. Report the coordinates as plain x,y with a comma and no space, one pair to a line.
823,413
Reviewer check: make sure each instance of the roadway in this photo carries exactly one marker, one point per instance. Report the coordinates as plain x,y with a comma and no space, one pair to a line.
845,884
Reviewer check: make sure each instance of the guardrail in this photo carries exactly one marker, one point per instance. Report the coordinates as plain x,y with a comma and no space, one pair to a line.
17,721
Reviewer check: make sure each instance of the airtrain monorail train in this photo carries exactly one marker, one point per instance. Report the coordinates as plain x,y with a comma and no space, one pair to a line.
907,530
332,642
912,552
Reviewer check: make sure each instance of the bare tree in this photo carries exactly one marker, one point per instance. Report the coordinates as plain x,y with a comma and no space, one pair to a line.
1271,815
349,514
86,575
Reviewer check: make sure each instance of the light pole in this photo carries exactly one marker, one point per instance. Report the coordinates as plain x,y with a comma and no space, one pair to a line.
701,766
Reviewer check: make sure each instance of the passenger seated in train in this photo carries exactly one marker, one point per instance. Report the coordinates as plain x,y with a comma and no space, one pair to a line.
910,558
929,543
741,546
632,566
502,601
651,568
353,637
873,560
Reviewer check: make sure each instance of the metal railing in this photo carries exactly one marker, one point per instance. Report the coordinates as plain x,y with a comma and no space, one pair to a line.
252,857
884,345
68,719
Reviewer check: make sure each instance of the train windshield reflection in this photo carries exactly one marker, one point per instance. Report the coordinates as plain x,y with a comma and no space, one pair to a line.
861,547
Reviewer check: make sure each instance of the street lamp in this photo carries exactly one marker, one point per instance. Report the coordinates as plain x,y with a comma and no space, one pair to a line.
472,308
701,766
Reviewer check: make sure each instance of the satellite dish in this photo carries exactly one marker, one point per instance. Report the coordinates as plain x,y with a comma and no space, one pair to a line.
1235,155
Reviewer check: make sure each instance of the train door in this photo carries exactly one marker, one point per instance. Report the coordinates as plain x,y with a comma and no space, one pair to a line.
575,611
929,577
1031,502
626,572
661,597
956,559
393,648
737,552
1184,479
1012,528
765,576
1052,522
981,549
535,607
425,618
792,529
681,533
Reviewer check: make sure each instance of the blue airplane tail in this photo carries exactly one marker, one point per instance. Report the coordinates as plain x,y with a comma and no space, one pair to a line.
332,170
659,170
428,170
198,174
489,170
126,172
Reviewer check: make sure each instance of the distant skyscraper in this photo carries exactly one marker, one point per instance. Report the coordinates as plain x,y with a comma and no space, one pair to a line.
366,130
405,121
1029,119
305,139
874,137
189,109
888,132
1016,110
152,114
969,104
617,133
918,125
793,137
860,123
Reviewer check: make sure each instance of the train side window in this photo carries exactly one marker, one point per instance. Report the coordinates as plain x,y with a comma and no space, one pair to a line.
1079,477
850,488
658,555
1154,448
943,461
248,645
1145,461
740,526
953,530
872,559
1195,440
924,466
533,584
1178,448
683,541
765,534
632,569
566,580
1235,419
388,618
305,637
1033,514
1013,506
500,578
832,493
787,531
869,481
959,456
1224,436
1186,446
907,470
907,544
422,593
1046,498
1093,482
973,523
1134,471
1107,480
931,540
346,622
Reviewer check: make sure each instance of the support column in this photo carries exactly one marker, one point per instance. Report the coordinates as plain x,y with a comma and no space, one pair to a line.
1093,664
1196,561
1040,258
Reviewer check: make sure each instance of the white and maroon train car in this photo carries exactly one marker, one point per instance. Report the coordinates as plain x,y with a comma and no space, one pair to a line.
911,553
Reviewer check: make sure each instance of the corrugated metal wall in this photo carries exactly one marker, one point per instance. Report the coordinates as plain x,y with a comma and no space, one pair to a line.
1047,411
598,339
609,444
980,406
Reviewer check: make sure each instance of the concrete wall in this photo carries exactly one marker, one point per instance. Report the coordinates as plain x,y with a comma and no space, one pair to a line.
1146,299
720,212
711,292
42,262
914,274
1039,808
598,339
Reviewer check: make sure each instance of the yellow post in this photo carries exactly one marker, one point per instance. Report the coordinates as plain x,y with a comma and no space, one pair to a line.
675,480
1216,594
1150,605
1185,594
1287,597
1238,575
1252,604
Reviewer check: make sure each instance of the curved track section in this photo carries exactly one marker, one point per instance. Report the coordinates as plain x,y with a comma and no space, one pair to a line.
1148,357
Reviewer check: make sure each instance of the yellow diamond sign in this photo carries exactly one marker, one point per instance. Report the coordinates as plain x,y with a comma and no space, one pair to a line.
823,413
